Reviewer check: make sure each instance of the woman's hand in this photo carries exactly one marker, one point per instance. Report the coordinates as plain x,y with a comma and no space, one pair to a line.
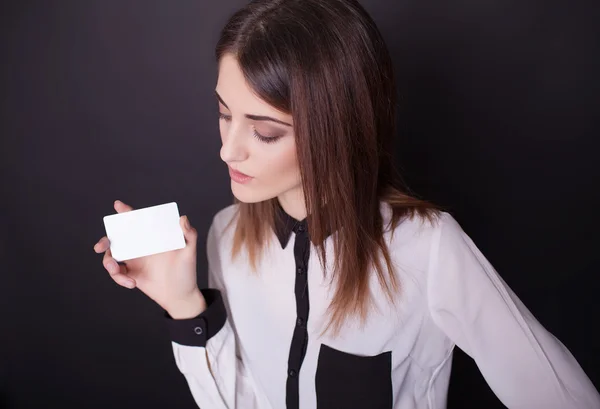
168,278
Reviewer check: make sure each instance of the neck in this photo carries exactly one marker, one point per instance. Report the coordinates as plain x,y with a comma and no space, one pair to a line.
293,203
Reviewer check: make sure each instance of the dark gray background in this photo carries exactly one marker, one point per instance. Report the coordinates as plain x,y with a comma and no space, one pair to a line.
114,99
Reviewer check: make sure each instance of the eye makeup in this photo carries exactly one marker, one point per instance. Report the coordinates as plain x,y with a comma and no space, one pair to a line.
265,138
255,133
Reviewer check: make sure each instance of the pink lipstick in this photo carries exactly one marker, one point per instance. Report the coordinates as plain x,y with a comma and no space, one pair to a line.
239,177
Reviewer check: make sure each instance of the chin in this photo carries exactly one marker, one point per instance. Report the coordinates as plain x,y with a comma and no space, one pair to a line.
247,194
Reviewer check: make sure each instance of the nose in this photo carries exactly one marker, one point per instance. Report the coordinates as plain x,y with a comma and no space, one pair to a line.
234,147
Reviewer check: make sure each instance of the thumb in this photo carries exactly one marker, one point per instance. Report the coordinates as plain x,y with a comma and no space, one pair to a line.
190,234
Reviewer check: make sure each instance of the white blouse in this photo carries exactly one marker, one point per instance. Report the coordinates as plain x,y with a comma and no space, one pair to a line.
259,343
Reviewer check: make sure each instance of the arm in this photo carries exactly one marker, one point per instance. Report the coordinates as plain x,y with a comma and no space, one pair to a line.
204,348
523,363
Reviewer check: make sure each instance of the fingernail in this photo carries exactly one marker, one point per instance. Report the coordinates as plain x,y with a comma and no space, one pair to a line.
187,223
113,266
129,284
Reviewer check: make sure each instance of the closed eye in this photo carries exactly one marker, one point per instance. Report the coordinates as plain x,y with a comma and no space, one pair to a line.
265,139
255,133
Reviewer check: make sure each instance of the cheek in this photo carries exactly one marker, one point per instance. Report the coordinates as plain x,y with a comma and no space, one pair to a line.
280,162
275,168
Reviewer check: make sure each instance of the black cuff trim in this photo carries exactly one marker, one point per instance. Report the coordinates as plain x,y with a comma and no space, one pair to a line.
197,331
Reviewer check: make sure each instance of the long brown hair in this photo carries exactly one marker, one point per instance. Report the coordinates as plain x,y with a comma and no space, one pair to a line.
325,63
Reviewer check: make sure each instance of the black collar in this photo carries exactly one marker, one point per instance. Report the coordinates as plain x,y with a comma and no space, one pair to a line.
286,224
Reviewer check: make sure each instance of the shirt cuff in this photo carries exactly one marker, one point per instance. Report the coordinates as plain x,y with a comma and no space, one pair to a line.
198,330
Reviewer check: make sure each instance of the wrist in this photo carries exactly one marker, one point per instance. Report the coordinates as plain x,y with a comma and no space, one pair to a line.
188,307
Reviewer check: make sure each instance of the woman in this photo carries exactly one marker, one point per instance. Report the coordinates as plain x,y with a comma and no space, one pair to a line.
330,286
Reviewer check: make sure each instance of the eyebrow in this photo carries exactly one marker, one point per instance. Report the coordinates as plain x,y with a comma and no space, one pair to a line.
254,117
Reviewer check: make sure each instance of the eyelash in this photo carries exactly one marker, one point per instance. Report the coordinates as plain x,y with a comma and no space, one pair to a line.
265,139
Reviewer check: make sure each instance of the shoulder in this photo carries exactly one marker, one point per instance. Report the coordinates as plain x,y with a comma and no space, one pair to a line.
419,226
439,251
223,219
219,238
420,237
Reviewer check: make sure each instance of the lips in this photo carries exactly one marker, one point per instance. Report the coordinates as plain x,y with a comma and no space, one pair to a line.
238,173
239,177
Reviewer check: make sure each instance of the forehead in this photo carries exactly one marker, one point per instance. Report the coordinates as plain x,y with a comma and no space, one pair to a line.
237,94
231,76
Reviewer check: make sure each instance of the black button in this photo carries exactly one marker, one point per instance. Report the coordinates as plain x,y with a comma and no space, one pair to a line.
301,227
300,270
292,373
299,322
198,330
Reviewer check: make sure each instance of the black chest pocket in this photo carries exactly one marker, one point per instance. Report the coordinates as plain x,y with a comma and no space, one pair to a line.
347,381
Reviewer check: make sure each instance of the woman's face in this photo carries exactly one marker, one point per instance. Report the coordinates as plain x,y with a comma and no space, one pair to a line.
258,140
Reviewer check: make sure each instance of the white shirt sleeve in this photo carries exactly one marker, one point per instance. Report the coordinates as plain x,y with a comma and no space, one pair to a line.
524,364
215,373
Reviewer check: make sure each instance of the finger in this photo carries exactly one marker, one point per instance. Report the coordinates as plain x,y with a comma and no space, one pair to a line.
117,271
189,233
102,245
110,264
121,207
